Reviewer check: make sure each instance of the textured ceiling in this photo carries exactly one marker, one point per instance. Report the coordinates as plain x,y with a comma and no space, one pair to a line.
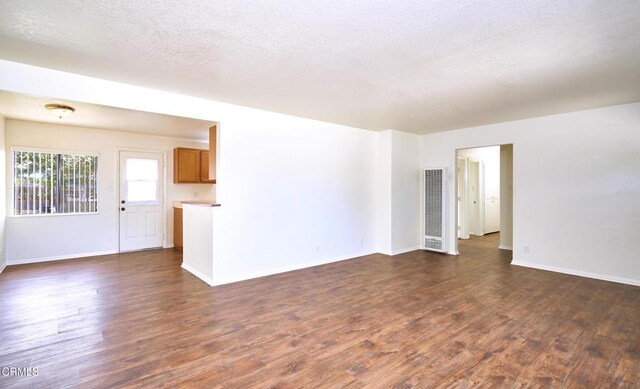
18,106
411,65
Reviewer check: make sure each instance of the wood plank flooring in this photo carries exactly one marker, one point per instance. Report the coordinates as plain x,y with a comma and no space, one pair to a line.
414,320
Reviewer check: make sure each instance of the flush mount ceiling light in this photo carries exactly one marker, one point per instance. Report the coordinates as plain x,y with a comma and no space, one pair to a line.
60,110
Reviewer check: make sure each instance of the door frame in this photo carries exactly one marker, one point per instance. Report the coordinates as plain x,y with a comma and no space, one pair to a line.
462,193
163,203
456,155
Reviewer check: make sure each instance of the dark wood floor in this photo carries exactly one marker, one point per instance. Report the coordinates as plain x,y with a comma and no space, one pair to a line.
414,320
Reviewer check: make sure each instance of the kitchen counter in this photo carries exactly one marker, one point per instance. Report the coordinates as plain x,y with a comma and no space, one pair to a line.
202,203
198,238
178,216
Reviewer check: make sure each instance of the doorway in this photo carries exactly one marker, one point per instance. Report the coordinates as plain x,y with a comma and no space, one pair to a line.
141,204
484,193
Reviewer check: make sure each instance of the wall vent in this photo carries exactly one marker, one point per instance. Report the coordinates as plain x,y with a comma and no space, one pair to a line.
434,210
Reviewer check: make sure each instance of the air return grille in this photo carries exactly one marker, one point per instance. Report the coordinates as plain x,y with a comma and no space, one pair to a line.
434,209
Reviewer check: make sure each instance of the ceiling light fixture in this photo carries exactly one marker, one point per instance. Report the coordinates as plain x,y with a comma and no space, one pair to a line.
60,110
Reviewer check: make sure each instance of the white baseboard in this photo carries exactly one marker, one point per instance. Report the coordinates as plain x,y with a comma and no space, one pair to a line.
3,267
59,257
406,250
248,276
169,246
198,274
579,273
453,252
505,247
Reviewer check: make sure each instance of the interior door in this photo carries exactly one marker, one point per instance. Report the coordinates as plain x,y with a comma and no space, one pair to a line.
491,215
141,199
474,197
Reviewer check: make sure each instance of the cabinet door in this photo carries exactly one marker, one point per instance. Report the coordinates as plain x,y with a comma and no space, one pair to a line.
177,228
213,147
186,165
204,167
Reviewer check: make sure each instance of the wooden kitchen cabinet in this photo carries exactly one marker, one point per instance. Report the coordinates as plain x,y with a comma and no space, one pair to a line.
204,167
191,166
196,166
186,165
213,150
177,228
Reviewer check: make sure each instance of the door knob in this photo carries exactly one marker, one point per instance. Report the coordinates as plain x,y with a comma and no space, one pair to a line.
122,209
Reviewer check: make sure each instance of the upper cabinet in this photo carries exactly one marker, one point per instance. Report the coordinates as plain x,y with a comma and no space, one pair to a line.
195,166
213,150
204,167
186,165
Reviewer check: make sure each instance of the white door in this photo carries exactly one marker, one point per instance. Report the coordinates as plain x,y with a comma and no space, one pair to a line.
491,215
474,197
141,192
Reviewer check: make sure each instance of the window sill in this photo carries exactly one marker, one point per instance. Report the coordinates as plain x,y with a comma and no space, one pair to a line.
54,214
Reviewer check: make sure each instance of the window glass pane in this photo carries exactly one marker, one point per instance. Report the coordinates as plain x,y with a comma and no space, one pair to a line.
46,183
141,191
142,169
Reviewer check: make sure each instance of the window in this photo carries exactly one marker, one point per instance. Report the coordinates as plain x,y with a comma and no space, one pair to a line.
142,181
51,183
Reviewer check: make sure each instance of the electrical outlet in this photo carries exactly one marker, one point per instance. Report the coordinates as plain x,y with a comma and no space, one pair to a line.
362,242
317,249
525,249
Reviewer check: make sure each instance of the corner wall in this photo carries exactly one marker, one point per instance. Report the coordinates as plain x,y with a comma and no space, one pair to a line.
506,197
576,185
405,222
3,202
398,191
383,192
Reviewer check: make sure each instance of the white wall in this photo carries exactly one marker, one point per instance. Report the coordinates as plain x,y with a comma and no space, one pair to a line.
506,197
3,185
405,192
199,240
398,192
576,188
383,192
294,194
36,238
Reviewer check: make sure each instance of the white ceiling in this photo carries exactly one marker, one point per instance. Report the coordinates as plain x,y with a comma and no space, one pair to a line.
18,106
411,65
